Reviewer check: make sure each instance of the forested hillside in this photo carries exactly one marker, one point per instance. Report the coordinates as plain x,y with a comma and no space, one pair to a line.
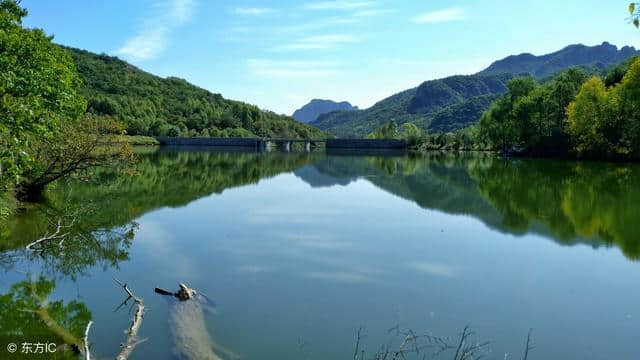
571,115
454,103
150,105
439,105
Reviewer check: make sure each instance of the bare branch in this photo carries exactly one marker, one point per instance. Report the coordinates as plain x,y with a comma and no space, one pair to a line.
132,332
529,346
87,354
355,353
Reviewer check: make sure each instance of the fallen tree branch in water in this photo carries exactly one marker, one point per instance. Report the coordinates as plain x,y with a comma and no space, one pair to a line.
184,293
529,346
56,235
132,332
87,354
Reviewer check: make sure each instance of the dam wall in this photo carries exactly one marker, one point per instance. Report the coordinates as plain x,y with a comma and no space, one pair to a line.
258,143
366,144
206,141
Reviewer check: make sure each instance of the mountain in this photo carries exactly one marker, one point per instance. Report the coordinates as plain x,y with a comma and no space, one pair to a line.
600,56
456,102
439,105
317,107
155,106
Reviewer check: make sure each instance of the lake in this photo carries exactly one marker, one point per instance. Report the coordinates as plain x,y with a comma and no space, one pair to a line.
301,251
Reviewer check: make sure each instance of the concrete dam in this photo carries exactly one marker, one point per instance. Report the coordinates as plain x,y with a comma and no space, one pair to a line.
286,144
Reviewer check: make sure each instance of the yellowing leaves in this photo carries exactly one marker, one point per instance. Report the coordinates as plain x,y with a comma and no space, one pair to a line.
632,8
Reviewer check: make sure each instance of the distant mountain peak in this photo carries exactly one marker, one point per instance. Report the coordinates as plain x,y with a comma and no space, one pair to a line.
455,102
317,107
605,54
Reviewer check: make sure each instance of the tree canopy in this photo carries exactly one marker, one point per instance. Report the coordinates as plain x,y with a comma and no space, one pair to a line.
39,87
571,114
149,105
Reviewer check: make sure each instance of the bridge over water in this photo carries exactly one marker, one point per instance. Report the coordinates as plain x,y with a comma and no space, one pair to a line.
285,144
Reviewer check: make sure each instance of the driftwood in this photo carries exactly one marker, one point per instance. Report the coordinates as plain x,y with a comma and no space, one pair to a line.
56,235
183,294
189,334
87,354
132,332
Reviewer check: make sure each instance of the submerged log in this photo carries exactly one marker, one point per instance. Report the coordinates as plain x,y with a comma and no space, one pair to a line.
189,334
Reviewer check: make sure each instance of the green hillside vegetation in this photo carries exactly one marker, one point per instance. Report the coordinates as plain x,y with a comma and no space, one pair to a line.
149,105
430,106
454,103
570,115
568,202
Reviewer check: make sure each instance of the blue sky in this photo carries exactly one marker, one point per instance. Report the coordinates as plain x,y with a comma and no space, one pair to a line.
280,54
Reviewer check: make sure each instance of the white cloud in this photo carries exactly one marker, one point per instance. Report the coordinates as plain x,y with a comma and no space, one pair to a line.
437,269
371,12
253,11
440,16
319,42
339,5
154,35
292,69
338,276
182,10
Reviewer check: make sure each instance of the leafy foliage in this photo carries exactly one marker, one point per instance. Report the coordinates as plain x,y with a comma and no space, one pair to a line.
635,14
150,105
386,131
76,146
605,122
39,89
531,117
569,115
27,314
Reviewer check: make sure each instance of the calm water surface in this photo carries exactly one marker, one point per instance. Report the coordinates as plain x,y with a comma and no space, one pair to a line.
298,251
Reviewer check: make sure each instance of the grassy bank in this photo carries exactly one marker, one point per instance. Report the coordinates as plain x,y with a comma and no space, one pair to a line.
132,140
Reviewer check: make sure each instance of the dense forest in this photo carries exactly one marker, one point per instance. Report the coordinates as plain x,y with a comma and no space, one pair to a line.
60,106
150,105
581,113
572,114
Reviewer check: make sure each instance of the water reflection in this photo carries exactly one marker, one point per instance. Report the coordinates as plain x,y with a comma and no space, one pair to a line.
283,241
569,202
28,316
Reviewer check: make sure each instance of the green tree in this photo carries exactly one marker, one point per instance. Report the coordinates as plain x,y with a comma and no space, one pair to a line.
39,88
411,134
27,314
77,145
625,105
386,131
586,118
635,14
